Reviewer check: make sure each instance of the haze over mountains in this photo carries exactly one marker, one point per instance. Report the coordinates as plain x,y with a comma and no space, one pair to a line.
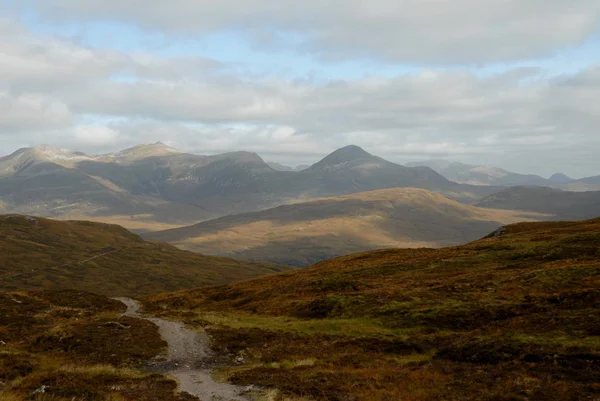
482,175
155,185
488,175
554,202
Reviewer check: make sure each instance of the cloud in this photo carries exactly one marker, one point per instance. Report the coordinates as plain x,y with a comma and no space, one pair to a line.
31,112
60,92
411,31
98,136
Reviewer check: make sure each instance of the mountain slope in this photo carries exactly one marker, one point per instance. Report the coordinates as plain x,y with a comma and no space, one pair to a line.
511,316
480,175
564,205
304,233
107,259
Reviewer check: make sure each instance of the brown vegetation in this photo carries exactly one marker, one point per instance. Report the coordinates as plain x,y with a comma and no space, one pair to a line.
308,232
71,345
106,259
513,316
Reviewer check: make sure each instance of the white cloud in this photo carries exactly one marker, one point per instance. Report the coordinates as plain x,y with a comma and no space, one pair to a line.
58,92
31,112
95,135
414,31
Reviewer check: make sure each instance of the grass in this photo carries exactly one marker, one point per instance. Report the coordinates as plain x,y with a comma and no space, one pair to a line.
509,317
105,259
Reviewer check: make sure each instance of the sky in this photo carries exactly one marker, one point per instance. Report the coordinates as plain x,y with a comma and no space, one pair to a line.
507,83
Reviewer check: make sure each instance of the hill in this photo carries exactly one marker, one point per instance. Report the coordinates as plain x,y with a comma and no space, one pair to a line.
563,204
482,175
561,179
308,232
511,316
106,259
151,187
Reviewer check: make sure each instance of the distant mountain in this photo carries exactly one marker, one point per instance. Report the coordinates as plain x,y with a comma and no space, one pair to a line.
591,180
106,259
563,205
560,178
480,175
280,167
308,232
148,186
581,185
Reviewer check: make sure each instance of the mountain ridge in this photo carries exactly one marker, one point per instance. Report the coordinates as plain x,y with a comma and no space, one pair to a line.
152,185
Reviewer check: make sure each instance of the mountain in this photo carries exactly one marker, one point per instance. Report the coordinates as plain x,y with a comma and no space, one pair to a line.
150,187
302,167
583,185
560,179
480,175
497,319
304,233
107,259
591,180
562,204
280,167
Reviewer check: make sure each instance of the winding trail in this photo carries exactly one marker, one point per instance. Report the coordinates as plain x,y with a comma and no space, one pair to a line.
188,359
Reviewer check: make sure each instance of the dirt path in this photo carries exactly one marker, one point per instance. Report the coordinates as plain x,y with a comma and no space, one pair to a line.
188,359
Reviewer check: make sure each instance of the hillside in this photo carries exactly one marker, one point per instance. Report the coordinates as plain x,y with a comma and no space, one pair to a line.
152,187
106,259
513,316
563,204
308,232
481,175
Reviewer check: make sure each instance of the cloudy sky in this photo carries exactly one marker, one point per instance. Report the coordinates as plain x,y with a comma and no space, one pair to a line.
511,83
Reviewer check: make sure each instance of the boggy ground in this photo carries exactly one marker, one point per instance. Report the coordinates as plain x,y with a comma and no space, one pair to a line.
75,346
515,316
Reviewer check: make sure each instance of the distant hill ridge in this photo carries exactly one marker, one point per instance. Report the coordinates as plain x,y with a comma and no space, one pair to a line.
308,232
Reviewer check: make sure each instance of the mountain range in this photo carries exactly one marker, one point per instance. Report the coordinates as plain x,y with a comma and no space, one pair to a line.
486,175
150,187
481,175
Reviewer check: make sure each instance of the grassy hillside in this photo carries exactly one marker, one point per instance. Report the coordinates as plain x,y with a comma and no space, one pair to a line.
106,259
76,346
305,233
514,316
